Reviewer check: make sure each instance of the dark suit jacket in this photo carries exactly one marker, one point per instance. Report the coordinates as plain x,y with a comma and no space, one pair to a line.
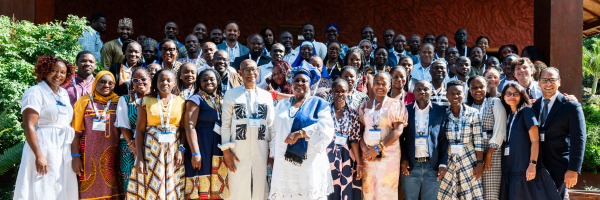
564,142
393,61
264,59
437,141
462,52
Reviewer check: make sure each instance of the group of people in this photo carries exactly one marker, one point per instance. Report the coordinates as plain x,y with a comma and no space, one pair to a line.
322,121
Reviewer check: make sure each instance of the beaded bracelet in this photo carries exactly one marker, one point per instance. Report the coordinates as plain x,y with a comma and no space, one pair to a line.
182,149
75,154
382,146
196,154
377,149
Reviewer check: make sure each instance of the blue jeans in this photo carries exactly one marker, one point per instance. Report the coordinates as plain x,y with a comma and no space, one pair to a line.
421,178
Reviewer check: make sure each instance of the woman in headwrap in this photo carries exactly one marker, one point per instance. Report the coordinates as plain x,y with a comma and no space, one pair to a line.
276,83
303,130
332,32
307,51
95,148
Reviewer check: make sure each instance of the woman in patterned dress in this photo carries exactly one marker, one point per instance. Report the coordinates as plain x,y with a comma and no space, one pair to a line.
344,153
159,171
187,79
168,55
127,118
354,97
493,120
384,120
95,147
465,151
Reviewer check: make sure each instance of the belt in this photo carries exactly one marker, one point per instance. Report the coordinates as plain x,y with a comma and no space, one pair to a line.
422,159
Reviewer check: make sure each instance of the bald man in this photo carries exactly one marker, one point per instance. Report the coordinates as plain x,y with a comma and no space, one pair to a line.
256,45
229,77
247,130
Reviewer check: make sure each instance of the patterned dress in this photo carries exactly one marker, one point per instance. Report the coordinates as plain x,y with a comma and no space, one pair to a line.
210,181
380,178
459,183
127,157
341,158
322,88
162,179
354,100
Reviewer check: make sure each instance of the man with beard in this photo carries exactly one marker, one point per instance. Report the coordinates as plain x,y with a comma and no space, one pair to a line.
200,32
149,52
429,39
414,43
216,36
277,52
171,32
229,79
477,61
91,40
308,31
399,51
287,40
112,51
269,37
256,44
438,83
81,83
231,44
388,39
460,39
192,45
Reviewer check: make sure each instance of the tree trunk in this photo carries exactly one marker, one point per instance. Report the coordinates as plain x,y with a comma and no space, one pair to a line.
594,85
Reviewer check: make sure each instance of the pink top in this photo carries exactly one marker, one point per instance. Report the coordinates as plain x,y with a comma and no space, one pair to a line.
78,89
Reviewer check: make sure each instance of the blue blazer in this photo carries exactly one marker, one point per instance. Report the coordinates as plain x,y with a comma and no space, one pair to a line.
438,143
264,59
243,49
393,61
564,142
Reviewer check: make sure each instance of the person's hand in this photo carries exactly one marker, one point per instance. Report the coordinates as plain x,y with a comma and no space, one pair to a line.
570,178
570,97
197,161
371,154
140,166
441,173
178,158
41,165
530,173
359,171
271,90
76,165
532,101
478,171
292,138
404,167
487,165
230,160
270,162
131,146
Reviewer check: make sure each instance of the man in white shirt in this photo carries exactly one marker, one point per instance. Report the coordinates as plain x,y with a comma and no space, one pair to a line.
276,51
523,70
308,31
231,44
287,40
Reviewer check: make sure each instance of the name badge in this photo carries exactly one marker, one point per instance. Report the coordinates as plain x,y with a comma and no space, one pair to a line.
421,141
217,128
166,138
99,125
507,150
374,134
341,139
254,121
456,148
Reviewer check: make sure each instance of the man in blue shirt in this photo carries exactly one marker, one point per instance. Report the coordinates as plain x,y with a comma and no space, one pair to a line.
171,31
91,40
231,44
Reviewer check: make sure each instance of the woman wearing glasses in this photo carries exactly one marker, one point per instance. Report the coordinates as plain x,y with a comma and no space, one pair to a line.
168,54
504,50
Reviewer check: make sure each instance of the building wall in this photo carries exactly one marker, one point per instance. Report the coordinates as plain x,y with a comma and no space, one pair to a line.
504,22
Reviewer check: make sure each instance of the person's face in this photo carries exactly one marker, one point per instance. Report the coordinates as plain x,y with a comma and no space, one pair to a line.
414,42
511,96
398,79
381,85
278,76
455,95
256,45
188,74
381,57
422,92
208,51
306,52
124,32
232,32
200,32
388,37
367,34
301,85
134,53
451,55
493,79
549,82
57,74
407,64
476,55
354,60
166,82
442,44
216,36
506,66
461,37
438,71
269,37
277,53
86,64
149,52
366,48
308,32
463,67
426,54
400,43
153,68
169,52
249,73
484,44
333,51
349,76
429,39
171,30
332,33
523,71
505,51
492,63
339,92
209,82
192,44
317,63
105,85
477,89
141,39
221,62
141,81
287,40
99,25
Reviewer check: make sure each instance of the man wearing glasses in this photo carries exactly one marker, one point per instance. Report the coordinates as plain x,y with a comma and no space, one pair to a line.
562,132
229,78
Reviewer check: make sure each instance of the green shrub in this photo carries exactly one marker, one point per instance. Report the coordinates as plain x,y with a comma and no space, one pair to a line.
591,160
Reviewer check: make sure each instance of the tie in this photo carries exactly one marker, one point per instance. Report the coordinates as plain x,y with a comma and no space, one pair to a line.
528,91
544,112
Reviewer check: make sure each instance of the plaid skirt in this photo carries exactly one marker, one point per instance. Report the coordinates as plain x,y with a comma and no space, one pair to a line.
491,180
459,183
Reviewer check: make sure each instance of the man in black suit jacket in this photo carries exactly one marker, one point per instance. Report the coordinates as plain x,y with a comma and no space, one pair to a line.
256,46
562,132
424,146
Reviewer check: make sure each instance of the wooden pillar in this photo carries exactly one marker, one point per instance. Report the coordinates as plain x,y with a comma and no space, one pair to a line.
44,11
557,33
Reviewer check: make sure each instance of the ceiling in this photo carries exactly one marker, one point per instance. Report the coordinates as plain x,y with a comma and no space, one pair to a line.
591,17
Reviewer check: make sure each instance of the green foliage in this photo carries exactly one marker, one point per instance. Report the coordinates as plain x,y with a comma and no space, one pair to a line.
591,63
591,160
21,43
11,155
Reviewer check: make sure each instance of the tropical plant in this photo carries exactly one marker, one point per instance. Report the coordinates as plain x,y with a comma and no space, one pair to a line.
591,63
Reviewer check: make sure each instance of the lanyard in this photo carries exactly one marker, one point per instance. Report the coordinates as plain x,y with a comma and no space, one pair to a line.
83,88
513,116
335,121
403,95
316,88
162,120
376,117
96,110
482,105
458,126
332,68
424,128
257,59
255,105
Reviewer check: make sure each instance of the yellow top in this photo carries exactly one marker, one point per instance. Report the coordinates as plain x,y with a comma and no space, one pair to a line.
153,115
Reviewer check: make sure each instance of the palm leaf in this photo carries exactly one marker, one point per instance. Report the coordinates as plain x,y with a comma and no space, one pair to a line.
11,157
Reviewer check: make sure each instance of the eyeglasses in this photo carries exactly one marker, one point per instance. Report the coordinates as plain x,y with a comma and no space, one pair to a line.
516,94
507,51
548,80
109,83
169,50
137,80
250,70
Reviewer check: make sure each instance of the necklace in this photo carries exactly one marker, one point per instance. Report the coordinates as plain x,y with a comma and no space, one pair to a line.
290,109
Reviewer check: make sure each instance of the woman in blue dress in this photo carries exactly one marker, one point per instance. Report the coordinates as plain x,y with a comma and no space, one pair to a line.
523,173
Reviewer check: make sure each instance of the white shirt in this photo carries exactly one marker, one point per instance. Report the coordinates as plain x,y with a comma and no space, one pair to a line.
552,100
506,82
536,91
265,71
421,117
291,57
233,52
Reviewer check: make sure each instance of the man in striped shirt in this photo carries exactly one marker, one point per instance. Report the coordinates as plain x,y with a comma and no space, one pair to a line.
438,74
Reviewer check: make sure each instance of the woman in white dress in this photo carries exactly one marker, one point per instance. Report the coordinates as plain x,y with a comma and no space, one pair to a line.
45,171
303,130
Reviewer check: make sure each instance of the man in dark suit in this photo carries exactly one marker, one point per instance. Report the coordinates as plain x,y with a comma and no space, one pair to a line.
424,146
256,44
460,39
399,51
562,132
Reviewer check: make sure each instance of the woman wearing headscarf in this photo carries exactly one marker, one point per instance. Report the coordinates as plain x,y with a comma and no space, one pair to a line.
277,83
95,148
303,130
332,32
307,51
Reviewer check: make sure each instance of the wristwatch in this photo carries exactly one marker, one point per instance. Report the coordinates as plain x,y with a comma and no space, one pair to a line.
534,162
480,161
